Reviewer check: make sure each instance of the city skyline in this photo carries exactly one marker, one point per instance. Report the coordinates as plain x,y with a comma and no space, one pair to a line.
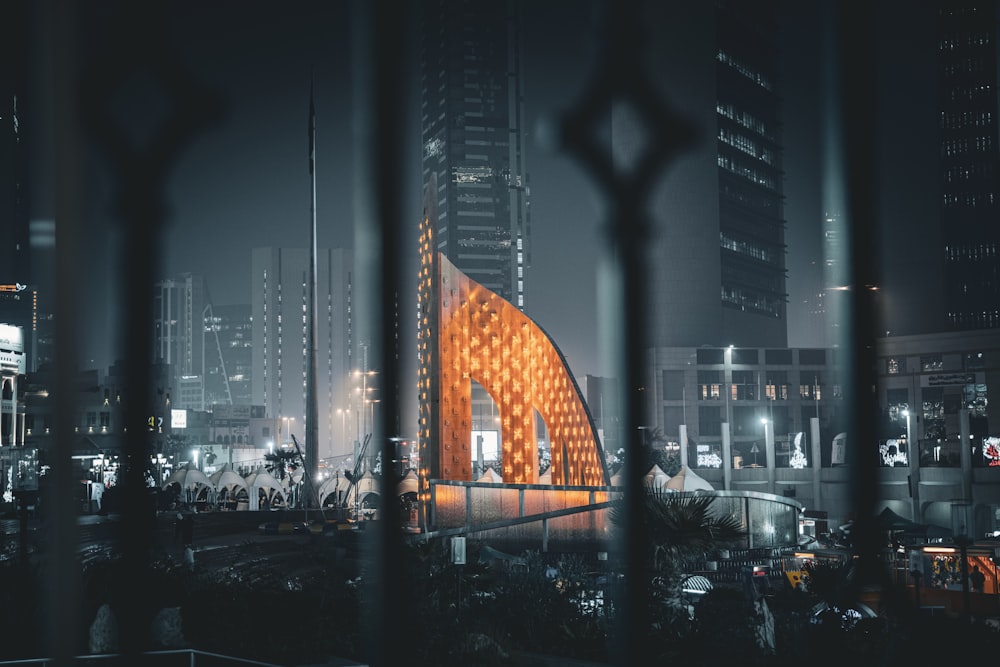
243,183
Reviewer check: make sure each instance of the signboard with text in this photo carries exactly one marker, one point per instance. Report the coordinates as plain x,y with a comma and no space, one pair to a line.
947,379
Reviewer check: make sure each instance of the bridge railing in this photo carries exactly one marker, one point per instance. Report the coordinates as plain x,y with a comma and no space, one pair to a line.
557,517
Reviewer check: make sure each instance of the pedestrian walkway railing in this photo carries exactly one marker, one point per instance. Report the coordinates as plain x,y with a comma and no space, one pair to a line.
169,658
77,86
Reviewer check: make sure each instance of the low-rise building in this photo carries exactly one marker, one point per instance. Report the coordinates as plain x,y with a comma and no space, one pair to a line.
776,420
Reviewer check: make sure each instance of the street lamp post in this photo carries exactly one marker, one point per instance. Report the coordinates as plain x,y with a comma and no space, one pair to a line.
286,426
769,452
363,417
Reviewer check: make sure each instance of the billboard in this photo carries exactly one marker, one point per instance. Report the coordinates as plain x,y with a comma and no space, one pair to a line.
991,450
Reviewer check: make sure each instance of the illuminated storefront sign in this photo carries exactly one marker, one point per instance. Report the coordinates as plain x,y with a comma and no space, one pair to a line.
707,458
991,450
892,452
947,379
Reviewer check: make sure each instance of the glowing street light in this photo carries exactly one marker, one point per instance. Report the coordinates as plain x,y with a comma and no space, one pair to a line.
286,430
768,438
364,375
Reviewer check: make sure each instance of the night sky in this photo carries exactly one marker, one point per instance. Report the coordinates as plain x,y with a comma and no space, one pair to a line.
244,183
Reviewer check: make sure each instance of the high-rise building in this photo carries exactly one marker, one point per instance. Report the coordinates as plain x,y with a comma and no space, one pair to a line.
14,248
280,286
970,163
473,139
718,248
229,355
18,288
179,308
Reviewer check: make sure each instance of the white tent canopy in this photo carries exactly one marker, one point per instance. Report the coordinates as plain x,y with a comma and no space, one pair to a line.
262,479
490,475
685,480
349,494
228,480
191,480
330,486
656,478
688,480
409,483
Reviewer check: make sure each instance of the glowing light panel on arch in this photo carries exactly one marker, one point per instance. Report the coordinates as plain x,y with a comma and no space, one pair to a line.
469,333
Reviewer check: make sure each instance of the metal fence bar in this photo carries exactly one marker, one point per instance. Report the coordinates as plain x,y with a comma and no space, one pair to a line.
143,177
60,197
389,102
857,97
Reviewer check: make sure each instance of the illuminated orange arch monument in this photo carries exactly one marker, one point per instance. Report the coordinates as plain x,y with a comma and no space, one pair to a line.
467,333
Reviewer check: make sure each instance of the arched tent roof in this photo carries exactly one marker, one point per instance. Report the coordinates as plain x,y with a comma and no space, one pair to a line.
227,478
262,479
409,484
366,485
656,478
188,477
490,475
329,486
687,480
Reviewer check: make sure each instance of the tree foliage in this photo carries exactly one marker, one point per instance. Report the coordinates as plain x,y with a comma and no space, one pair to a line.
680,527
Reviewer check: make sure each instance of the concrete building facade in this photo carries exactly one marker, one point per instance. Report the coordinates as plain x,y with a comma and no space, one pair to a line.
776,420
279,289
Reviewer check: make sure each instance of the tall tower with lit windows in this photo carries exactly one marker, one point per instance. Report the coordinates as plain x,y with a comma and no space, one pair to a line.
280,296
970,169
717,249
473,139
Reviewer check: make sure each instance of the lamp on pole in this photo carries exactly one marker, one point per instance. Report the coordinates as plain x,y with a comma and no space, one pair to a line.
285,435
364,375
768,437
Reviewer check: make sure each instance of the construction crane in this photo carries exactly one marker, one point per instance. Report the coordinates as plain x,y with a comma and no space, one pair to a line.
208,320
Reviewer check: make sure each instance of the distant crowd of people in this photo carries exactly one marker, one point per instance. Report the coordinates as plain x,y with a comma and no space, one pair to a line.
946,573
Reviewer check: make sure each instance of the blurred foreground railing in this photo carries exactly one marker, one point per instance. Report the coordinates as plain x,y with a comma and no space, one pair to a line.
71,102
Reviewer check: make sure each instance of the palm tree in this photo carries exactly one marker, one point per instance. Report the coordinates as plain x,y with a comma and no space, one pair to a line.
680,527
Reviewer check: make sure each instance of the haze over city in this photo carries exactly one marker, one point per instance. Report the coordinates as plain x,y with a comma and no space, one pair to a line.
709,342
243,182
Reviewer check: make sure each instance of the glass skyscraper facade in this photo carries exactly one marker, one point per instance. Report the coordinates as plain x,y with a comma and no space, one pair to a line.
970,168
717,252
473,139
